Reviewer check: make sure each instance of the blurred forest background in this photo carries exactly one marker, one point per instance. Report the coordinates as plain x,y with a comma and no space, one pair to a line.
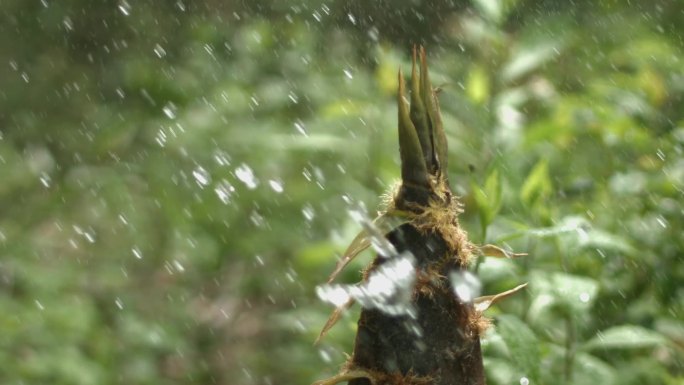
175,180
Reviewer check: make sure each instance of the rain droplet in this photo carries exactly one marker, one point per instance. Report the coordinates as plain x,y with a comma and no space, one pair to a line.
224,191
89,237
293,97
308,212
221,158
25,77
348,74
276,186
201,176
124,7
161,137
660,154
45,180
245,174
299,125
584,297
257,219
159,51
178,266
118,303
137,253
351,18
325,356
40,305
68,24
524,381
169,110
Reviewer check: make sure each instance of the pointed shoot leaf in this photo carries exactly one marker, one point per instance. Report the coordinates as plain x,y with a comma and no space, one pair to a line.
332,320
485,302
346,376
413,168
384,223
418,114
495,251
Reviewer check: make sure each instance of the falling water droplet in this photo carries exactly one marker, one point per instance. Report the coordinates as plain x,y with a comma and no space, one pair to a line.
308,212
661,221
169,110
159,51
221,158
524,381
45,180
276,185
180,268
348,74
224,191
245,174
124,7
137,253
325,356
293,97
584,297
201,176
301,128
466,285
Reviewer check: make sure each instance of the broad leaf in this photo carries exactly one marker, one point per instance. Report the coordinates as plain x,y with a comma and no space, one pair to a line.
626,337
522,344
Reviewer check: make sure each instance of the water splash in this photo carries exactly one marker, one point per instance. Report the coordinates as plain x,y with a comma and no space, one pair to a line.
224,191
202,176
466,285
378,241
245,174
388,288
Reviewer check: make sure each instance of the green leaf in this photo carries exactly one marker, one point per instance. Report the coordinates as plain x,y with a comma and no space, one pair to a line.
488,199
522,344
493,189
573,294
528,59
626,337
589,370
478,85
538,183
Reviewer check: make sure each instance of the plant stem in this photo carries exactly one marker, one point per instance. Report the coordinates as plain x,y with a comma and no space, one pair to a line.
570,337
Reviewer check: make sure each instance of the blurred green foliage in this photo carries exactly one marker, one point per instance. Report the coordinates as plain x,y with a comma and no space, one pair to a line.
175,178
